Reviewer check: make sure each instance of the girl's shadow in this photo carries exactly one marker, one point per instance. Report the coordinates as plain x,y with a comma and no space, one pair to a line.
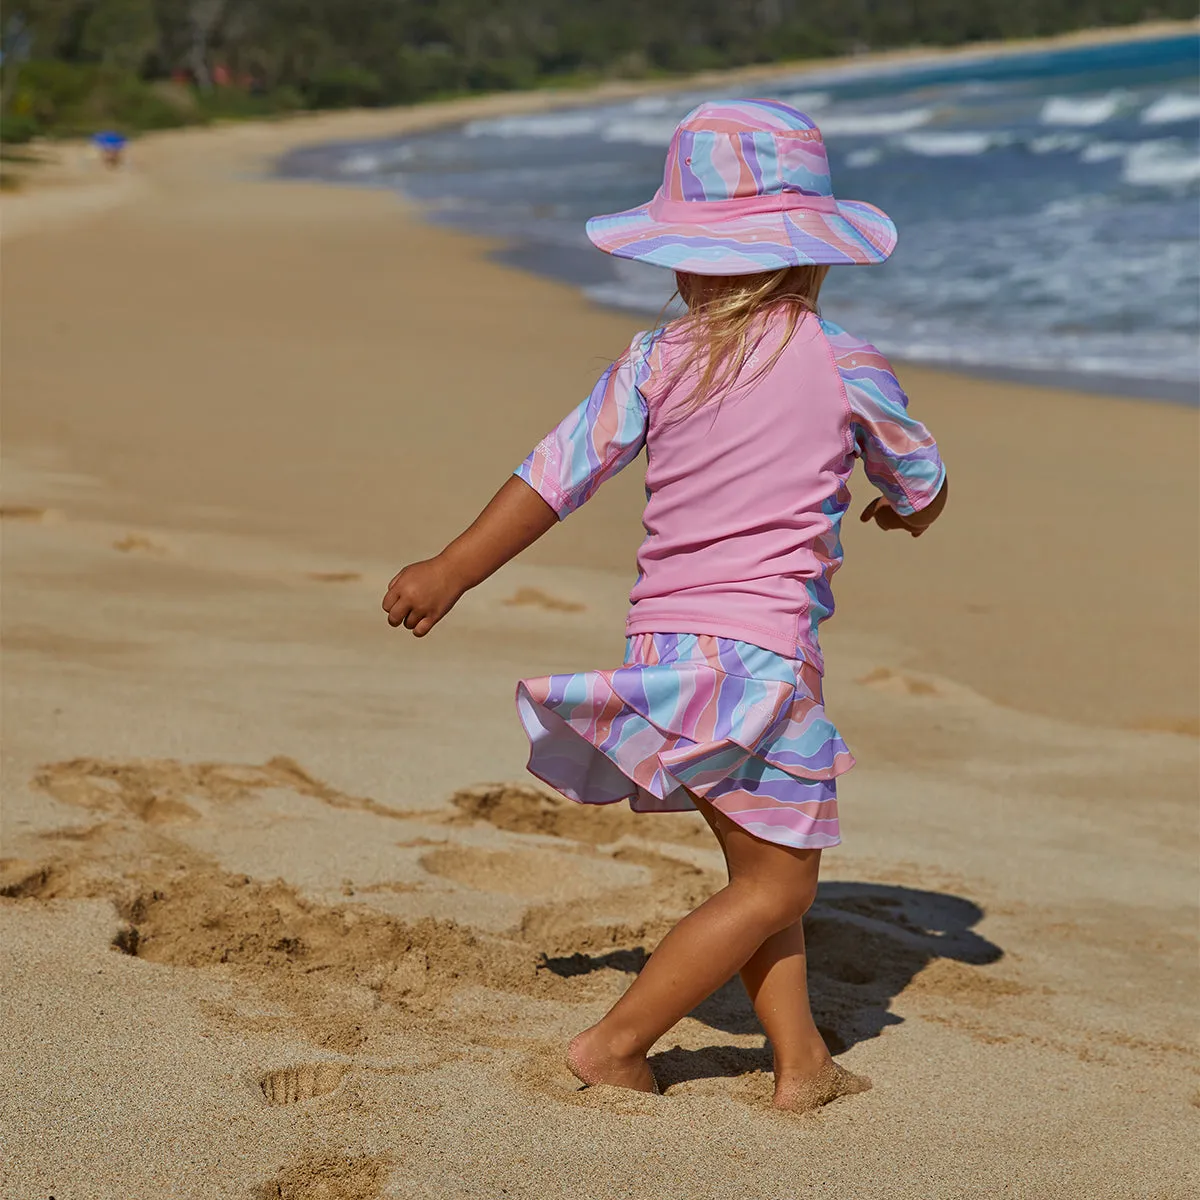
866,943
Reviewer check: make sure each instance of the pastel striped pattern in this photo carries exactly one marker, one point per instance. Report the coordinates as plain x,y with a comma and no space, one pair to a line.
899,454
749,151
735,724
597,439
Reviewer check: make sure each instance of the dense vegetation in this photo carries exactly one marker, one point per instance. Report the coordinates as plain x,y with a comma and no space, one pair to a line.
70,66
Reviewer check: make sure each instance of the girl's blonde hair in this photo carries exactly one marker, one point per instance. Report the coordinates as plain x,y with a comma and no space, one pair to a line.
722,326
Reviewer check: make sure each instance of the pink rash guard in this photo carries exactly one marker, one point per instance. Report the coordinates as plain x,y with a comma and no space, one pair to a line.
745,495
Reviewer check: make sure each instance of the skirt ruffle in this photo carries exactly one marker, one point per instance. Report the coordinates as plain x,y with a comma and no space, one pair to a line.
739,726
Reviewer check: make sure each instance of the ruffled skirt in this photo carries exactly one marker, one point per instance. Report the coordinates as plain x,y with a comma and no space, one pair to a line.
737,725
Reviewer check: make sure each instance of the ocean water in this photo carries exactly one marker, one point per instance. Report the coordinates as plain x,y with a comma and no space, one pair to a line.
1048,203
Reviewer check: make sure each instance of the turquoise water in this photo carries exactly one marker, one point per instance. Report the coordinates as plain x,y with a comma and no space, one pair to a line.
1048,203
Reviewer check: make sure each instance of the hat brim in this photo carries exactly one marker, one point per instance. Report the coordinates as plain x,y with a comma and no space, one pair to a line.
856,233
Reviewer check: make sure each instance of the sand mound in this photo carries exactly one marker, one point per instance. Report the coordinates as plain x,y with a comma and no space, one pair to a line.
348,974
202,916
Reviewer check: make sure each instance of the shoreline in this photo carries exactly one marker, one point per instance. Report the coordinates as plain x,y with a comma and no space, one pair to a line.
1146,391
1184,393
213,190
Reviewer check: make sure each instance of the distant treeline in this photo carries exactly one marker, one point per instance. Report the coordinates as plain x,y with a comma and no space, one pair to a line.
70,66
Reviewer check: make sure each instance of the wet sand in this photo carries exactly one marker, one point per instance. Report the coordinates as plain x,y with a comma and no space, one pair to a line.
271,927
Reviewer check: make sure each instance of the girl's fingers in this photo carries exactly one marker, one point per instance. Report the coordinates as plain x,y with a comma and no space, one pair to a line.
424,625
392,597
398,613
413,619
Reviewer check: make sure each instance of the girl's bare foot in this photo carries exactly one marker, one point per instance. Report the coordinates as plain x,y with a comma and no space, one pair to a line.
803,1092
592,1061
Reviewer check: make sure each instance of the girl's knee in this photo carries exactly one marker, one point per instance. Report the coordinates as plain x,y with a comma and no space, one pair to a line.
778,907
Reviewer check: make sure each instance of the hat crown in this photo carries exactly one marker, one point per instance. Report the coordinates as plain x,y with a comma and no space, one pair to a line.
738,149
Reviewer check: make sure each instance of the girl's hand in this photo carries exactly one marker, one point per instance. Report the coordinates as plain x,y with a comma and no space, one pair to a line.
886,517
422,593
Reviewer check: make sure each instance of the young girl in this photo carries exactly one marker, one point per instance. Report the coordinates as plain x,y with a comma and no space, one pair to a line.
752,410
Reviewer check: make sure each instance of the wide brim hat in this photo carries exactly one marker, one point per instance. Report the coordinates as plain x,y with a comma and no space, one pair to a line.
746,188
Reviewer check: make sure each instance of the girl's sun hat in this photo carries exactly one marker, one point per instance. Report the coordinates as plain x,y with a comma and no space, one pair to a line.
746,188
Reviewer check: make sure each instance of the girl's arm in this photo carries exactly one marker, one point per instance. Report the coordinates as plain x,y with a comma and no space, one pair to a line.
591,444
420,595
899,454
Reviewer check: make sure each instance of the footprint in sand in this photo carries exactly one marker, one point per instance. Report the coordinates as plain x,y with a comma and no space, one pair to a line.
536,598
533,874
391,888
158,790
334,576
304,1081
139,543
28,512
897,683
119,789
327,1177
1187,726
517,808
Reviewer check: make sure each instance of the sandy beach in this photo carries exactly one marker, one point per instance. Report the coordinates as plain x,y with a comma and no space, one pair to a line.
283,916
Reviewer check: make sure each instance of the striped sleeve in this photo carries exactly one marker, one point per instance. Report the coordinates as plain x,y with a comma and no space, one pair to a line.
595,441
899,454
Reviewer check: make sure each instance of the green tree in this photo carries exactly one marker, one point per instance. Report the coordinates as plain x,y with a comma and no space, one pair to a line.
120,33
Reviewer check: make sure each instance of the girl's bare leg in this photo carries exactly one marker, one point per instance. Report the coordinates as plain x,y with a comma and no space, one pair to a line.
770,888
776,979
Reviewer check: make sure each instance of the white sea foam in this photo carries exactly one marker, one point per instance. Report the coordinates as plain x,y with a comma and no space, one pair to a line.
541,125
645,298
1082,110
644,131
655,104
962,144
1071,206
359,164
866,157
806,102
1174,106
1165,162
875,123
1097,152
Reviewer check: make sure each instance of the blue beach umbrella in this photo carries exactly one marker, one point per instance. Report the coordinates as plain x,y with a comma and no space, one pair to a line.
109,140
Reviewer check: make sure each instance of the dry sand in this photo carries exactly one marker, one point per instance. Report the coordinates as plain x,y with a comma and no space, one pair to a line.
268,930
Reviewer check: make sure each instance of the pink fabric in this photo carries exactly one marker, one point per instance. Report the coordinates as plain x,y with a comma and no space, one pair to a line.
737,492
745,495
